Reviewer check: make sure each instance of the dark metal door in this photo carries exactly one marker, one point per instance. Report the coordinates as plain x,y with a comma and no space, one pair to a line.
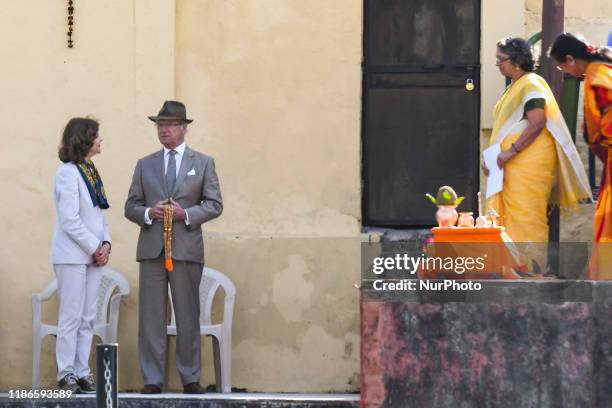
420,124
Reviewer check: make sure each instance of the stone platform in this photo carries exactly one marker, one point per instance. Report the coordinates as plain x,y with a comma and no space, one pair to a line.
518,344
212,400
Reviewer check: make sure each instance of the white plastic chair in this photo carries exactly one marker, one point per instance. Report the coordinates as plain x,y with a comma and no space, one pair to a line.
221,333
106,322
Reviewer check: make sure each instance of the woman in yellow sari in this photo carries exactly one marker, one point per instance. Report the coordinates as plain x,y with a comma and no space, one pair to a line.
539,159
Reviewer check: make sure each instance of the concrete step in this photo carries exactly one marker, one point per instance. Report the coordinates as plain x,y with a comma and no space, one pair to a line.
212,400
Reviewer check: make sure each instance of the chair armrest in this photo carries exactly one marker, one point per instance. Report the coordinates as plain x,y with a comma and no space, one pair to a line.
38,298
48,292
36,310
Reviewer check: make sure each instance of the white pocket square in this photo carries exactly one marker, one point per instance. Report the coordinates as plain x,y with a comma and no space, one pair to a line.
191,172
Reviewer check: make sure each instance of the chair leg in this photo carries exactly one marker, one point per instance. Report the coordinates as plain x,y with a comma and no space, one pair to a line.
36,346
166,384
226,364
217,361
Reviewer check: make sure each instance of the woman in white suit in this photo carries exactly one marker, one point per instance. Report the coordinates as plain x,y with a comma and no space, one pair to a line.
81,247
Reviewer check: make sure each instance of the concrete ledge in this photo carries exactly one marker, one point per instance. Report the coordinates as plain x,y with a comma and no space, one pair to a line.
514,344
247,400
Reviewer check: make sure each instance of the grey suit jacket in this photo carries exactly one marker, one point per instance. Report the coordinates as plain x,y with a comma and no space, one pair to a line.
80,227
197,191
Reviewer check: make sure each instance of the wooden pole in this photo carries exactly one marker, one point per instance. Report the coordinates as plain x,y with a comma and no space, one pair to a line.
552,26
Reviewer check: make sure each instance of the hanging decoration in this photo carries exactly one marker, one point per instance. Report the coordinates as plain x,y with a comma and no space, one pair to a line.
70,22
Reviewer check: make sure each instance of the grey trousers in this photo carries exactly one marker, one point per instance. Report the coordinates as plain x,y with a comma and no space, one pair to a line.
153,317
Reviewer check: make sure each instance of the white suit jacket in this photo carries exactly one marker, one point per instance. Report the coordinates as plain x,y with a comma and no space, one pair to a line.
80,227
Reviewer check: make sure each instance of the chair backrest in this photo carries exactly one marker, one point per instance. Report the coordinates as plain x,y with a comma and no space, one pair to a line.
108,283
211,281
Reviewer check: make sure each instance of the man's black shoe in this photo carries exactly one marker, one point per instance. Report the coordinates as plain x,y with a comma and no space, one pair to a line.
193,388
151,389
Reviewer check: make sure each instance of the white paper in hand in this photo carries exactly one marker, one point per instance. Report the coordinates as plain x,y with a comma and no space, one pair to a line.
495,180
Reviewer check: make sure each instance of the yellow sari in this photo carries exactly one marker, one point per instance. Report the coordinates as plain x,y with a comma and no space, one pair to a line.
548,170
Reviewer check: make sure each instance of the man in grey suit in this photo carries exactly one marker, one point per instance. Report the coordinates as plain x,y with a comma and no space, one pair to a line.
186,179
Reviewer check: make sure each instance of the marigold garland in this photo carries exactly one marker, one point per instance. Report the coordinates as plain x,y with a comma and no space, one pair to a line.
168,214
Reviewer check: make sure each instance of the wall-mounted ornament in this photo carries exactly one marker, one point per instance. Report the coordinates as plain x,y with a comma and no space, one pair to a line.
70,22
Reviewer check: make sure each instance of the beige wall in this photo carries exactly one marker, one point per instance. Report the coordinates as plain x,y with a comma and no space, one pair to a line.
592,18
275,94
122,66
499,19
275,91
275,88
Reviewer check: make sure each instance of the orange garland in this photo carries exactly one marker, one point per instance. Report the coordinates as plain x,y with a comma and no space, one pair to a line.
168,210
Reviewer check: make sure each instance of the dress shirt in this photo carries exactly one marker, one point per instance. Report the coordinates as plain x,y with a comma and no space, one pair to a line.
178,157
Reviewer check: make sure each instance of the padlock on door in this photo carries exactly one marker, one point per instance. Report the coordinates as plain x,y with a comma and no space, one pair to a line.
469,84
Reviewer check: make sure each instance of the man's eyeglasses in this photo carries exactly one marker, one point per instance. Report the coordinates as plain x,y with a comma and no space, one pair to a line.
501,60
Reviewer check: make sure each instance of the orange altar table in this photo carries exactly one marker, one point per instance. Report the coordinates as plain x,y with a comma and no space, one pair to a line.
492,249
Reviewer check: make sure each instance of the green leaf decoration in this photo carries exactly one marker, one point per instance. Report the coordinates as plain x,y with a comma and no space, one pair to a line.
446,195
431,198
459,200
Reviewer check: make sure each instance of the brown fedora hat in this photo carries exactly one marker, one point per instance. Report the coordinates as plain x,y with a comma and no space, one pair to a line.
172,110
